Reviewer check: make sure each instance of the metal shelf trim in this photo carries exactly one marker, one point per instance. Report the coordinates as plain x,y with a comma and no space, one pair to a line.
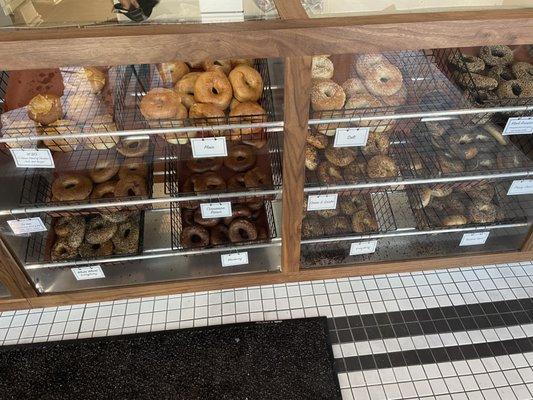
162,200
277,124
427,114
412,232
416,182
275,242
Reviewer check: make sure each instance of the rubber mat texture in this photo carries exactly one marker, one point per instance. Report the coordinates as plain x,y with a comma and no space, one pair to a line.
290,359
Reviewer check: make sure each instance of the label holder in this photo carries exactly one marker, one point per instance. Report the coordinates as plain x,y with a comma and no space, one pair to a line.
321,202
209,147
32,158
216,210
351,137
234,259
518,126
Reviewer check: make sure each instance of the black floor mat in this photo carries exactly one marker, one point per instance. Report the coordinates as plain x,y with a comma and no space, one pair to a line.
287,360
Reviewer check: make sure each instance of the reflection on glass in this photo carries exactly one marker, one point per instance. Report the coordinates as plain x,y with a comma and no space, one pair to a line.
50,13
341,8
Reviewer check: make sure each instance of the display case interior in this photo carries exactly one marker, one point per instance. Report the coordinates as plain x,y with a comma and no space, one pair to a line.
409,155
140,165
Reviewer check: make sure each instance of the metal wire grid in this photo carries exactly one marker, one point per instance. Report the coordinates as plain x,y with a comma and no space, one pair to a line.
508,209
525,144
179,154
147,77
177,223
353,173
422,155
84,112
378,205
427,89
37,183
473,92
39,245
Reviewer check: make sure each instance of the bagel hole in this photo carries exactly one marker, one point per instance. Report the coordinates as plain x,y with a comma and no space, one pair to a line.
517,89
96,247
132,145
126,233
497,53
70,186
243,234
196,239
131,193
108,195
506,76
214,90
384,79
240,158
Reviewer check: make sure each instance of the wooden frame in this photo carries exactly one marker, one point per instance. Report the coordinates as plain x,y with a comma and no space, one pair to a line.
295,38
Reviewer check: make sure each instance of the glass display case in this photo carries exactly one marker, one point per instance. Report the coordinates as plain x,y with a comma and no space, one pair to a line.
123,171
179,153
412,155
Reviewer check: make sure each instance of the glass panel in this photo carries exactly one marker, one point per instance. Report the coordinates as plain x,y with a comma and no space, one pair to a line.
344,8
409,153
55,13
158,172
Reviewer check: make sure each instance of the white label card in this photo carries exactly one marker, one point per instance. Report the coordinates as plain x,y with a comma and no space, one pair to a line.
233,259
359,248
521,186
87,273
519,126
209,147
351,137
216,210
33,158
475,238
27,225
319,202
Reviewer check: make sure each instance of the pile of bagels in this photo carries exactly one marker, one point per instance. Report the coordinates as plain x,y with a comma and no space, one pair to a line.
206,93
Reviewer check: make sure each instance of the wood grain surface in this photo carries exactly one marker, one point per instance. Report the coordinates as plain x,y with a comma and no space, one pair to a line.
296,111
42,48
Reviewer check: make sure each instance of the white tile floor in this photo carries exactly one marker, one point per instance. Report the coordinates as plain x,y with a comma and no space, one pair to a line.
504,377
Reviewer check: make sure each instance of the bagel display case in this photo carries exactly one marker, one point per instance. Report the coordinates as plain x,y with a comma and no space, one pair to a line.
131,193
438,148
254,142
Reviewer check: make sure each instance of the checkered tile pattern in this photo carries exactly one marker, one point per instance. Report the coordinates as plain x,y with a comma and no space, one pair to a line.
450,334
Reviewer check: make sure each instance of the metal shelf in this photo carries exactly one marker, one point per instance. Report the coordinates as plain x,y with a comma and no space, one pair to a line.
406,222
158,244
414,232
